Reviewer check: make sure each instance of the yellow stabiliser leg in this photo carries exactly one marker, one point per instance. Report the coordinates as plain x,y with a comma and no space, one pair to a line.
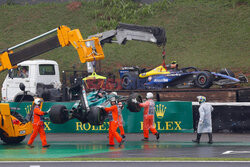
12,130
5,117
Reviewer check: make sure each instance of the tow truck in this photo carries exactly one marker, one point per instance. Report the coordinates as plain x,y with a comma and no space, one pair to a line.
13,127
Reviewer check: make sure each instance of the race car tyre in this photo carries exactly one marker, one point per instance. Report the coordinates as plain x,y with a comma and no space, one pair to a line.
11,140
58,114
132,105
96,115
129,81
204,79
79,114
226,71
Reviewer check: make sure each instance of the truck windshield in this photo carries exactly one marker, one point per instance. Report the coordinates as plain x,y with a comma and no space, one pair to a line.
20,72
46,69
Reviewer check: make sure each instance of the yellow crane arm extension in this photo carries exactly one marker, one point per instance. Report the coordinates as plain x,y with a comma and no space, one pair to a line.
88,50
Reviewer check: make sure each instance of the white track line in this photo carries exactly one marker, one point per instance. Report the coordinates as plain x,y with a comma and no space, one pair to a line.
236,152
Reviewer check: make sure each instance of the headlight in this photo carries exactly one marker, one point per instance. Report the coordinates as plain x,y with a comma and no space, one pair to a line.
22,132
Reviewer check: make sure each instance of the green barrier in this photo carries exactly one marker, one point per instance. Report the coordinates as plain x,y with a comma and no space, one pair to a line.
169,117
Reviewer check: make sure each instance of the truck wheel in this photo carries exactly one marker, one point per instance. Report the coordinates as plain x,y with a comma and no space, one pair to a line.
24,98
132,106
204,79
58,114
96,115
226,71
128,81
11,140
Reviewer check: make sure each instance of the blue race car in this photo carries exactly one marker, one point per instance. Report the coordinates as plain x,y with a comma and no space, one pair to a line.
162,77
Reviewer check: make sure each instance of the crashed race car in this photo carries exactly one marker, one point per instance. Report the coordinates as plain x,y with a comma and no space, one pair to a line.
89,109
165,77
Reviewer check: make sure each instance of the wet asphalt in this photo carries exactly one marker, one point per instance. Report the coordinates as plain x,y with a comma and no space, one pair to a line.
88,146
177,145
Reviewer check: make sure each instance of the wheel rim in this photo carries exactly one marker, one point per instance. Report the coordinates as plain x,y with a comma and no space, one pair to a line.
202,79
125,81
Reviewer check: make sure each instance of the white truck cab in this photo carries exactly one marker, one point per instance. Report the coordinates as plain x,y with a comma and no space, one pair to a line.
35,75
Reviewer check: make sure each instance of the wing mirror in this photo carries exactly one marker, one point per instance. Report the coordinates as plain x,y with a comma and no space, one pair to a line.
22,86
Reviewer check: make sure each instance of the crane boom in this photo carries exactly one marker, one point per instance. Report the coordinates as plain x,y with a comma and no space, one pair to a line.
65,37
125,32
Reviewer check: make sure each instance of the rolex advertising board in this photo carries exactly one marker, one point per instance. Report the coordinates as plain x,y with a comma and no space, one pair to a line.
169,117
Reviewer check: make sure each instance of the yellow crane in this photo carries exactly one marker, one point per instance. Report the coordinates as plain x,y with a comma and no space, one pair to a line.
14,128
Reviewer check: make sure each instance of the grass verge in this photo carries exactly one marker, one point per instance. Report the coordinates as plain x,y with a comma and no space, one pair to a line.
205,34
